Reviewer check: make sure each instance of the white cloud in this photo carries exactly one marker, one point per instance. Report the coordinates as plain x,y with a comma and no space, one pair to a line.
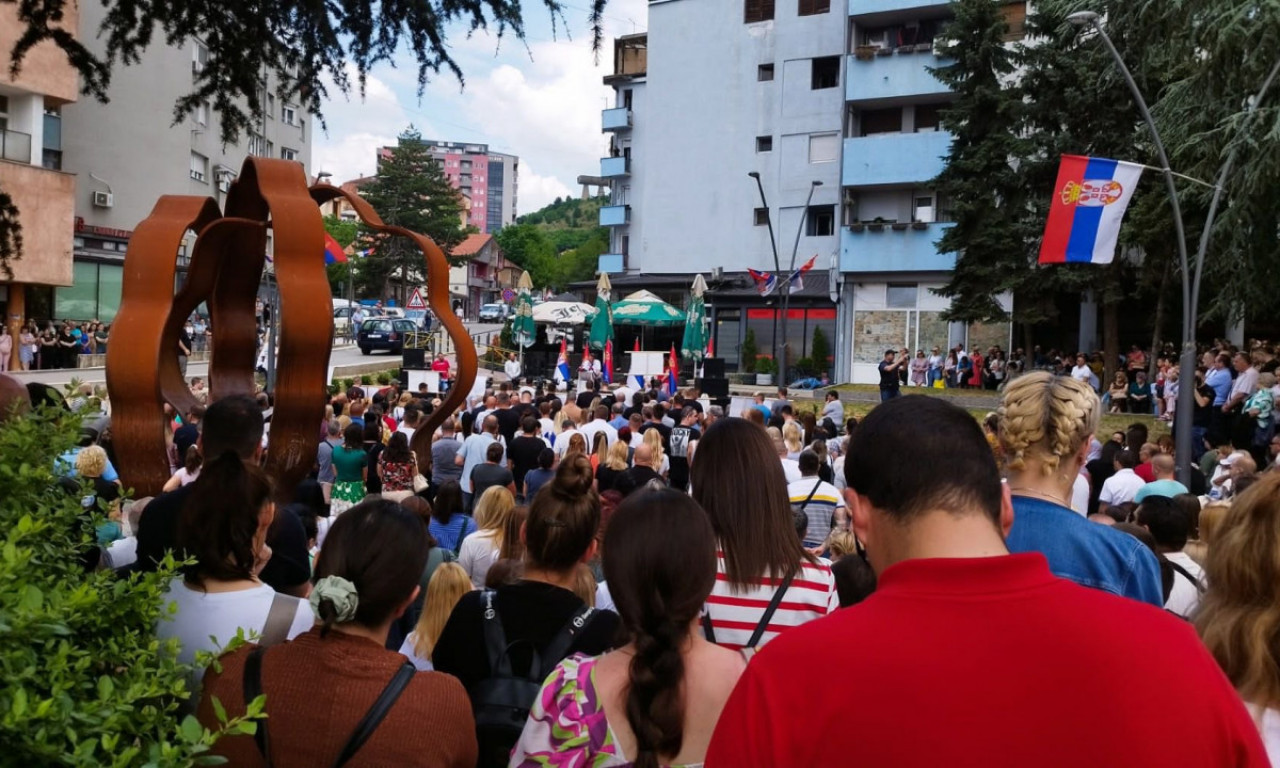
357,127
537,192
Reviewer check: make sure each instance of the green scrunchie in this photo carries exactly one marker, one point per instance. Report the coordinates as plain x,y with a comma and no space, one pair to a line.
341,593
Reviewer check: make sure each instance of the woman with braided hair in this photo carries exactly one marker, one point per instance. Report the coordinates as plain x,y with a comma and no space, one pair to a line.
1046,425
656,700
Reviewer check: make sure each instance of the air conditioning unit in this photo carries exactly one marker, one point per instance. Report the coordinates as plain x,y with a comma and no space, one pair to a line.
103,200
924,213
717,274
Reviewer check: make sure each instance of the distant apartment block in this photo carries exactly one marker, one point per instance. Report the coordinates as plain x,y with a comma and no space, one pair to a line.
488,180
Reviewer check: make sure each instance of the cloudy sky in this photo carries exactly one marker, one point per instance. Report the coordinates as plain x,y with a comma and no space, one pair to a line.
540,100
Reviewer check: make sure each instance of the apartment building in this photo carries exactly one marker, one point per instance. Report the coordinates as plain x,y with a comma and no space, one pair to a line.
31,107
128,152
488,180
833,106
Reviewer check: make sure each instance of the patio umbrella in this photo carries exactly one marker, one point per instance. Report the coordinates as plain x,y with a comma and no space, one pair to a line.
562,313
602,323
522,327
694,343
643,308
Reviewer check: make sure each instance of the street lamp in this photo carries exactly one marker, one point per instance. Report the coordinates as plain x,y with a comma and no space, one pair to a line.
1190,283
786,290
773,243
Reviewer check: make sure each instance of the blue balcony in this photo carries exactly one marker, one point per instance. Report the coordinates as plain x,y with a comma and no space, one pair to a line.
615,215
611,263
618,119
900,76
894,158
613,167
882,248
866,7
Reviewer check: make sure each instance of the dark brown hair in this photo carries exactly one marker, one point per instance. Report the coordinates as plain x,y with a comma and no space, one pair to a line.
448,501
220,519
660,568
738,480
380,547
563,517
397,450
512,548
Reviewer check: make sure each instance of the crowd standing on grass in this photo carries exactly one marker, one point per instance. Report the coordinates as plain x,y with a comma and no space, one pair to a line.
631,576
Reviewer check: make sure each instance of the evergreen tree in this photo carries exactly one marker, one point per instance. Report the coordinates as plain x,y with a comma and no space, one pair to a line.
980,186
410,191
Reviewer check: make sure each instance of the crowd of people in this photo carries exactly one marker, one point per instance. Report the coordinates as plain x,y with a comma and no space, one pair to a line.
620,577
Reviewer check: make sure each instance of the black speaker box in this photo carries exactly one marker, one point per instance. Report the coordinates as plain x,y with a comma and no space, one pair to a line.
415,359
713,368
714,387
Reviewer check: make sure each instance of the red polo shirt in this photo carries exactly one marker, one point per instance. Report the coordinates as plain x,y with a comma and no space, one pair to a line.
986,663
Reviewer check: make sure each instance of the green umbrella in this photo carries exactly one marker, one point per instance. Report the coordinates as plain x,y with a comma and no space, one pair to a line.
522,326
602,322
643,308
694,344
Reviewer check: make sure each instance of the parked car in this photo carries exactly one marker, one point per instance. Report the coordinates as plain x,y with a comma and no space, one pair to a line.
384,333
491,313
420,318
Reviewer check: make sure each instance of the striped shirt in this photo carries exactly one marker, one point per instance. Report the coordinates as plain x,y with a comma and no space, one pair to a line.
734,615
819,509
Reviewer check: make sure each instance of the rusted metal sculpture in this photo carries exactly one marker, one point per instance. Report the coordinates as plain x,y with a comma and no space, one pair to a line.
224,271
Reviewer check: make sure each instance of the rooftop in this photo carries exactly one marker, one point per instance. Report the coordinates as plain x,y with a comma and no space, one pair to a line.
472,245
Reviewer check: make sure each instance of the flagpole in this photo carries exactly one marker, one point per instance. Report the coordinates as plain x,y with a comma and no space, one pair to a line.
786,289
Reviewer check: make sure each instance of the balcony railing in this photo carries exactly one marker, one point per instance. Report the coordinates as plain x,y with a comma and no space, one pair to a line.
617,119
611,263
15,146
894,158
615,166
894,247
615,215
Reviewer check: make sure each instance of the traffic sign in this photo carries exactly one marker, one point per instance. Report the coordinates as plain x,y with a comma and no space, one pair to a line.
415,300
508,295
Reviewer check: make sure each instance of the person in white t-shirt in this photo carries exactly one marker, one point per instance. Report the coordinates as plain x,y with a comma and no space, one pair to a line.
1171,527
1121,487
224,528
1083,373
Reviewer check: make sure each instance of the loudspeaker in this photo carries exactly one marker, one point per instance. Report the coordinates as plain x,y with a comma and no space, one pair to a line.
415,359
714,387
713,367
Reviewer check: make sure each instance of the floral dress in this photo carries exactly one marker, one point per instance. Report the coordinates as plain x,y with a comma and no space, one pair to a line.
567,724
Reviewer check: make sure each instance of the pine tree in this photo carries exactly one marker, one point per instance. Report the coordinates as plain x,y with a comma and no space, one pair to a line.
410,191
982,189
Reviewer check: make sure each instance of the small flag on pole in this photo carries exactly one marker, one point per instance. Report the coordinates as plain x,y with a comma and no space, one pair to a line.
765,281
562,364
608,362
1089,200
796,280
673,371
333,252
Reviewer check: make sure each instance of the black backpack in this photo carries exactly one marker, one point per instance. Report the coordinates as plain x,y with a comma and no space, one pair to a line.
502,701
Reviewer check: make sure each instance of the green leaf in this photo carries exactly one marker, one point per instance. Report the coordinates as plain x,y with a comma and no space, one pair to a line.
19,707
105,688
31,598
191,730
219,710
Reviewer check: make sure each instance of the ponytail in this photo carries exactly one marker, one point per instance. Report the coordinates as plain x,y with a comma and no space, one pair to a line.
655,704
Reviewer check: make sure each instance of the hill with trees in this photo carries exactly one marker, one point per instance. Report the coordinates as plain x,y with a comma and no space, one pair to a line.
559,244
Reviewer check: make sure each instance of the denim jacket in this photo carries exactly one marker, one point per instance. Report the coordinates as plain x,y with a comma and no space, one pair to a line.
1087,553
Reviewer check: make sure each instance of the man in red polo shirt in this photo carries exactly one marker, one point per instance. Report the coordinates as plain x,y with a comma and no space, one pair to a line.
966,655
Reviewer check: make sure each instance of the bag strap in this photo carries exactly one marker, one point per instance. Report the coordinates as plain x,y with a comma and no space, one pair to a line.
495,639
559,646
1187,574
252,684
279,618
809,498
374,717
708,631
768,614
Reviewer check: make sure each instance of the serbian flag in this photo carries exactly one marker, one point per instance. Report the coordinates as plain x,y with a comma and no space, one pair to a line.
711,347
1089,200
608,362
765,282
333,252
562,365
639,378
673,371
796,280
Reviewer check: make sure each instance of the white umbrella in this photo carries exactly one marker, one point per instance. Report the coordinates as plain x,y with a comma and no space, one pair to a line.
562,313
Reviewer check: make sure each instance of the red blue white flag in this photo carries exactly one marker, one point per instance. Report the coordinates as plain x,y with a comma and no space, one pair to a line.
1089,200
765,281
608,362
673,371
796,279
333,252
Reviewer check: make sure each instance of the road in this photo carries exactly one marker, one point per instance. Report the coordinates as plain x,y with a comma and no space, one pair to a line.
341,356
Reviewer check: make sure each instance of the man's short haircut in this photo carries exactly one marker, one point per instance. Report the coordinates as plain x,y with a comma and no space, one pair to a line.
602,413
688,412
504,398
493,452
659,411
334,428
1162,464
546,457
1168,523
833,395
233,423
617,408
808,462
1127,459
951,466
196,413
566,425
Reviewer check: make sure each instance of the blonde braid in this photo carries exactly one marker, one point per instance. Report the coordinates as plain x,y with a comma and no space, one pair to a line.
1052,415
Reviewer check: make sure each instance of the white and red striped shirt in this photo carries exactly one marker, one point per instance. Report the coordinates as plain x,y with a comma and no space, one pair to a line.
735,614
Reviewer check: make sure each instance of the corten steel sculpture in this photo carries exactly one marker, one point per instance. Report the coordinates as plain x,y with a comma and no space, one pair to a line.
224,272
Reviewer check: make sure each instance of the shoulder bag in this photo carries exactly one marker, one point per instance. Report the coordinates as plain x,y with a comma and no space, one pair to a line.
749,649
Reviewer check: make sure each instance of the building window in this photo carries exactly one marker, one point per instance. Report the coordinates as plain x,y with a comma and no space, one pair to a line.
288,154
199,58
1015,15
762,217
626,98
271,106
813,7
201,113
289,115
4,113
626,245
764,73
824,148
826,73
873,121
199,166
52,152
257,144
901,296
928,117
820,221
764,143
758,10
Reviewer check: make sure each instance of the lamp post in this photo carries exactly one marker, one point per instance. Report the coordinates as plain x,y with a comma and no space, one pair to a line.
1190,282
786,290
773,243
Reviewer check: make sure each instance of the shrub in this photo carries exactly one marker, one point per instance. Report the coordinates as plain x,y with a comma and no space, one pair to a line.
83,679
748,353
766,365
384,378
820,351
